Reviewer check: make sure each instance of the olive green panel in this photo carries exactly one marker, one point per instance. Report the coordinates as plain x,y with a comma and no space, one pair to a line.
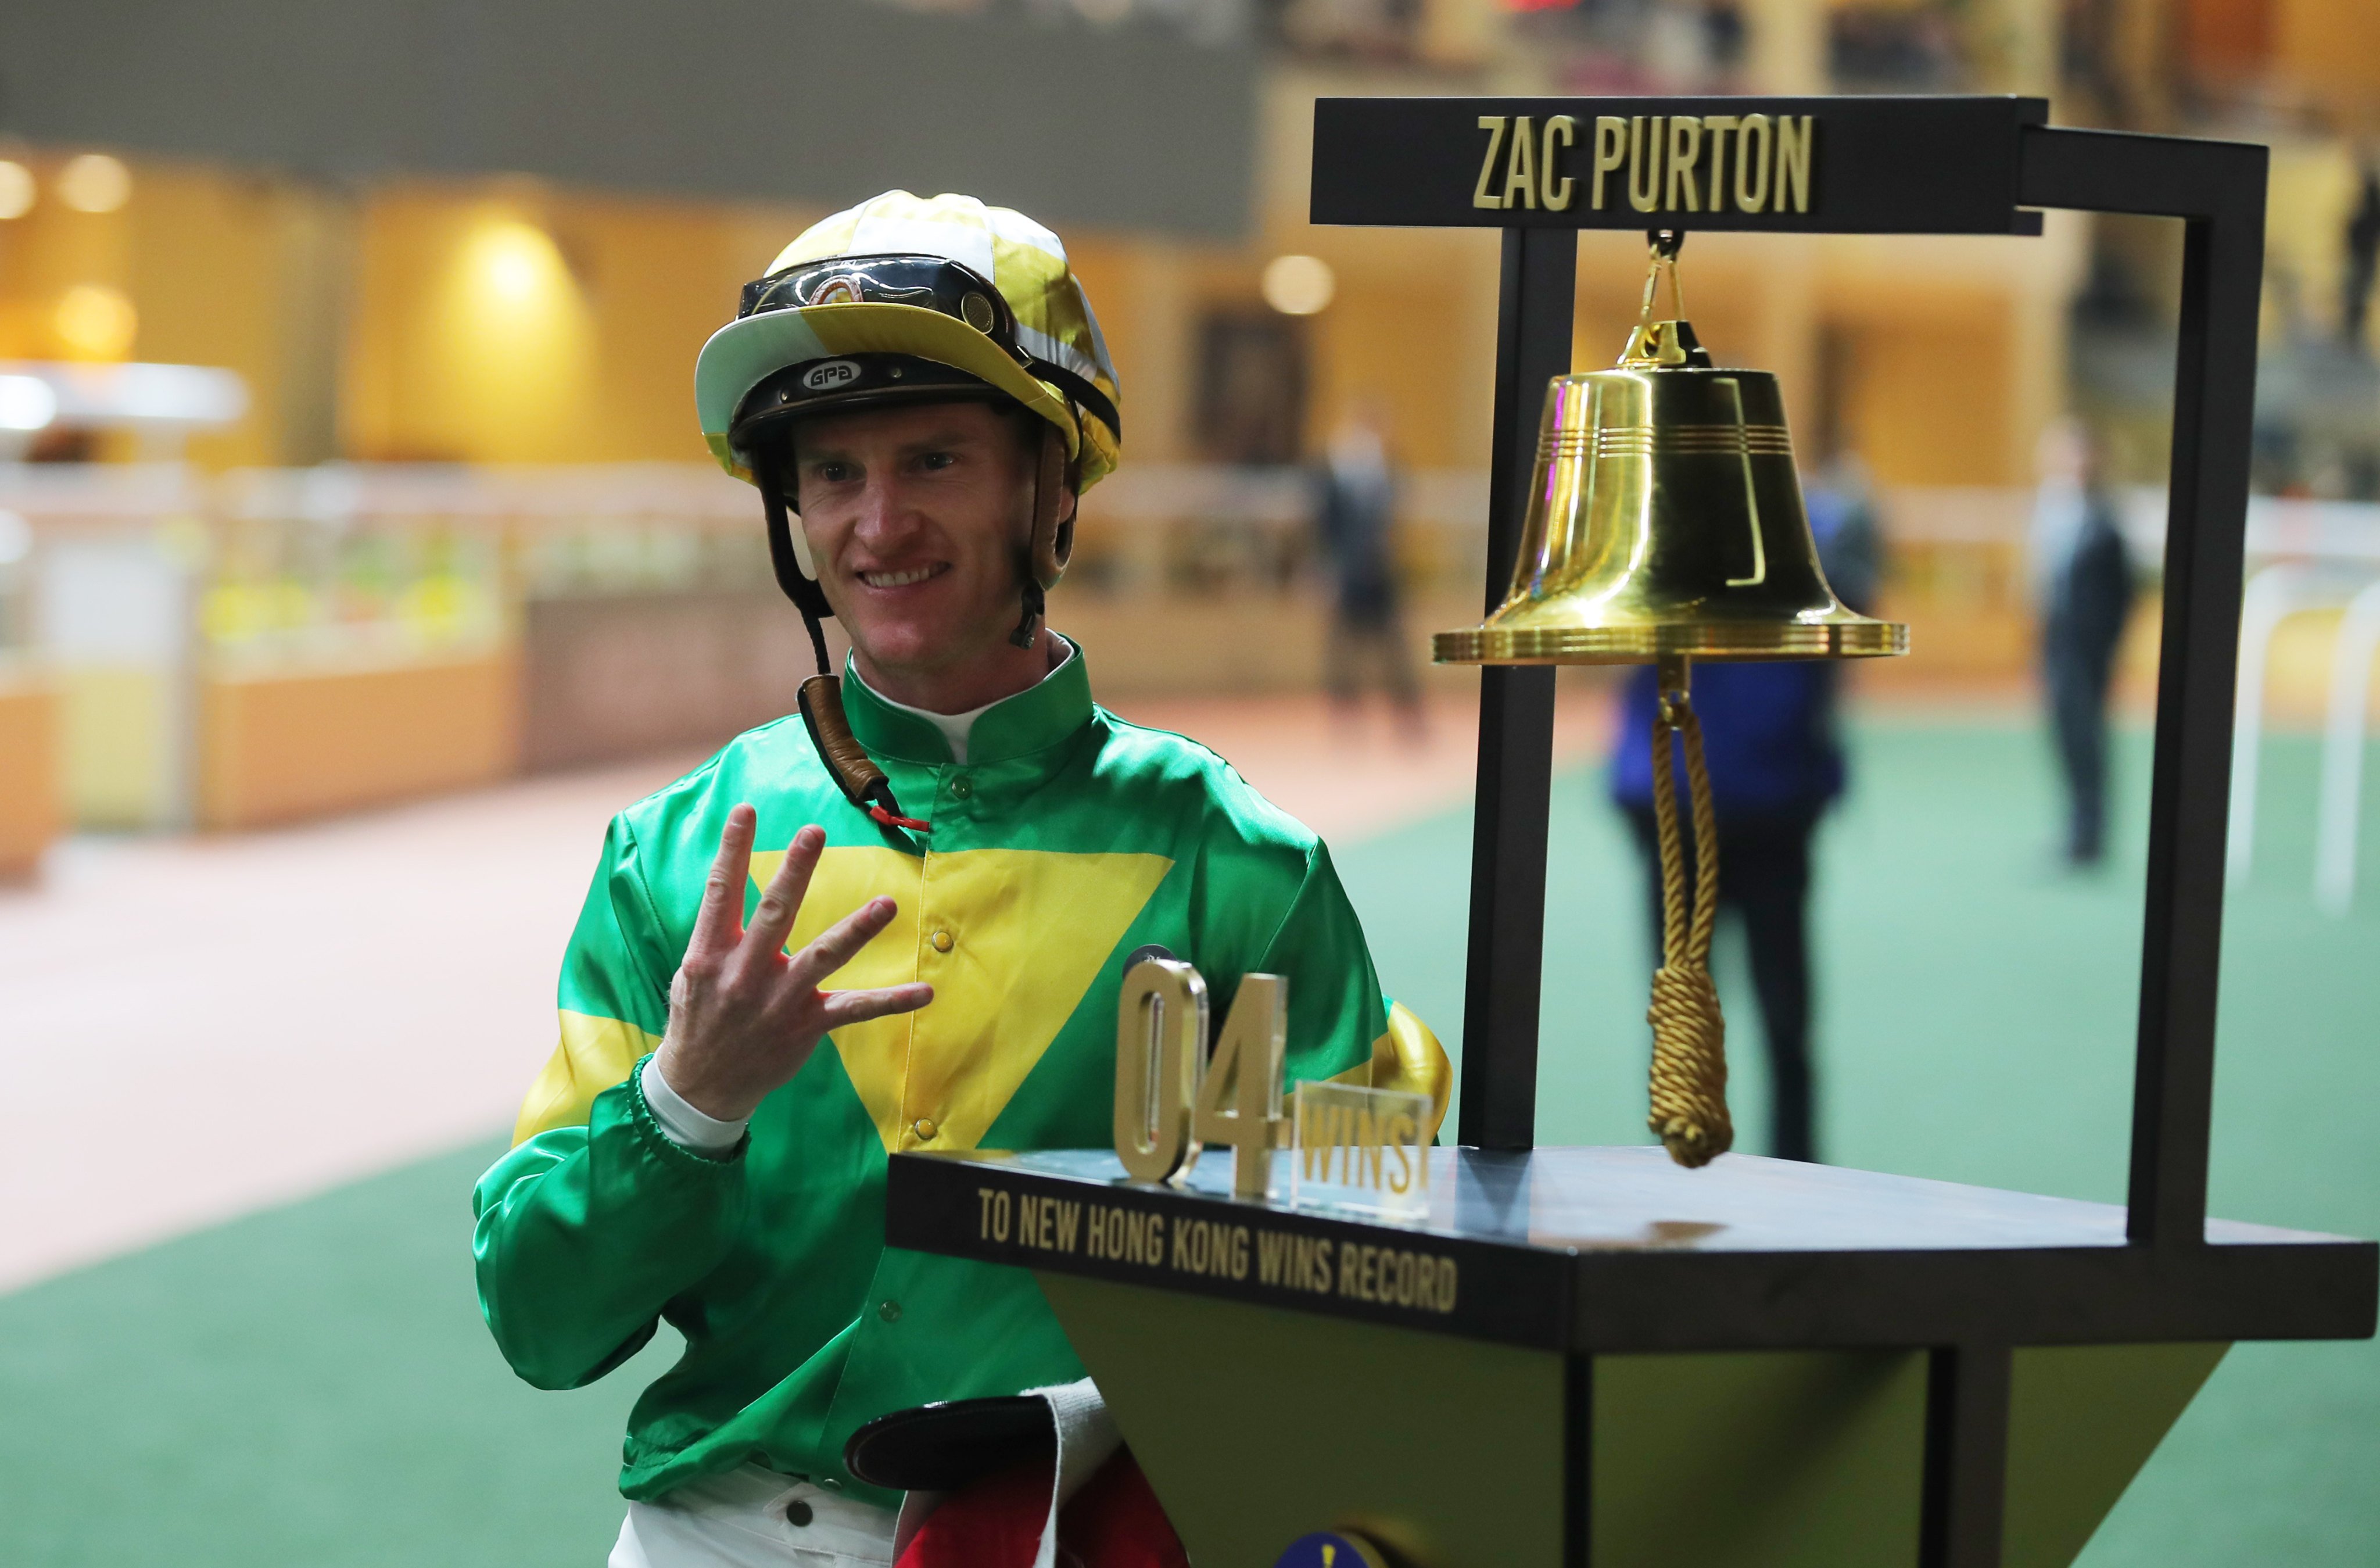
1256,1425
2082,1419
1759,1459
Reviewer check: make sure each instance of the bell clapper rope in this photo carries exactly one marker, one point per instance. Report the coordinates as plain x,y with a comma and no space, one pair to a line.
1688,1080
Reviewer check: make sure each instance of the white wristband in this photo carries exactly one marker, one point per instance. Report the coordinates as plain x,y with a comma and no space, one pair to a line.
681,1122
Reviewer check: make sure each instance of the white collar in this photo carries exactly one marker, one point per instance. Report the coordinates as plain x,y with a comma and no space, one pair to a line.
956,727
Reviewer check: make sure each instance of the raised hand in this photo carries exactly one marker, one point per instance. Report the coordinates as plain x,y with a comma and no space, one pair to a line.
742,1016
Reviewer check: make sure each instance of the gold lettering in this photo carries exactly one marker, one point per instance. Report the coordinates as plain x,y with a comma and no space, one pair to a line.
984,1195
1314,1140
1400,1135
1793,160
1446,1284
1557,194
1685,146
1751,192
1367,1173
1521,178
1000,1216
1716,126
1070,1216
1349,1260
1239,1252
1321,1278
1270,1248
1494,125
1610,153
1644,164
1027,1208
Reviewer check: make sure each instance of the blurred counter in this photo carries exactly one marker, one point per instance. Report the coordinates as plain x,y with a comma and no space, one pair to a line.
182,650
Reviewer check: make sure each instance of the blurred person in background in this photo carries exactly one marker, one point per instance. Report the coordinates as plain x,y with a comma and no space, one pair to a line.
1776,763
2361,244
920,392
2082,585
1355,495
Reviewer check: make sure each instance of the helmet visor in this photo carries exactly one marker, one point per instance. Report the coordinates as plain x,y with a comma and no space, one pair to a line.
932,282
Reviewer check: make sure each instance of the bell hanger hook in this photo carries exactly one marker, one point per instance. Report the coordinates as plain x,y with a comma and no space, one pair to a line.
1665,244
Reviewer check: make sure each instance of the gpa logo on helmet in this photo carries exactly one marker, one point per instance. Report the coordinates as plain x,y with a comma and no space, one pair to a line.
829,375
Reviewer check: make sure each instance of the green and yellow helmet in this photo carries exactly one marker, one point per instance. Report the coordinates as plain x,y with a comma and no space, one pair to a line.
909,299
906,301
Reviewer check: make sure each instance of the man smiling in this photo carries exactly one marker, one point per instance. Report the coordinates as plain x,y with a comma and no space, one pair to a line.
920,392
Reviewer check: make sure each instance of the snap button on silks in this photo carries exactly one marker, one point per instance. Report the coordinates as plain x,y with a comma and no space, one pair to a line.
925,1129
942,941
961,787
890,1313
797,1513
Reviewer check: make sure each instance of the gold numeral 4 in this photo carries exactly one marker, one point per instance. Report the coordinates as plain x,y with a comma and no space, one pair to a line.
1249,1058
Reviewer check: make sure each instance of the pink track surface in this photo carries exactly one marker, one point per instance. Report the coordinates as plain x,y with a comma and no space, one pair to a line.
202,1027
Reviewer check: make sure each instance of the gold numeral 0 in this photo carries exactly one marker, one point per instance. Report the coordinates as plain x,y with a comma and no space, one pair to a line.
1160,1050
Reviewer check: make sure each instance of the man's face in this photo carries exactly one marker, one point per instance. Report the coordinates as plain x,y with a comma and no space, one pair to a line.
916,520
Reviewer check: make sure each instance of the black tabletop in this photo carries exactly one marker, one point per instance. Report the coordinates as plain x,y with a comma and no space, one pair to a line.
1618,1249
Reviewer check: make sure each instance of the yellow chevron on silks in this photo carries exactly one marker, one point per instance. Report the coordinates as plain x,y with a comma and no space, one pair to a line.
1009,940
1407,1057
593,1055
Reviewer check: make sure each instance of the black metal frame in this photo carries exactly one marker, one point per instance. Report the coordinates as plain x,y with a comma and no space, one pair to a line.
1910,165
2218,191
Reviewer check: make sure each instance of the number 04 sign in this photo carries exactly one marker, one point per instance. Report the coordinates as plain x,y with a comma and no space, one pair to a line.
1171,1101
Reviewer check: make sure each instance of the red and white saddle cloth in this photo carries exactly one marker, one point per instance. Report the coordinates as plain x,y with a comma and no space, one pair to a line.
1085,1506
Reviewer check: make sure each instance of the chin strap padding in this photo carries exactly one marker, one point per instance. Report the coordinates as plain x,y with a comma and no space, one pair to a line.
1052,542
848,762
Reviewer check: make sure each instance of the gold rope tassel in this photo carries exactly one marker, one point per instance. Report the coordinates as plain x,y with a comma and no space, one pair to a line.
1689,1035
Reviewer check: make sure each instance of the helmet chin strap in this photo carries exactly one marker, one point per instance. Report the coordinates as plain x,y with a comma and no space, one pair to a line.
821,698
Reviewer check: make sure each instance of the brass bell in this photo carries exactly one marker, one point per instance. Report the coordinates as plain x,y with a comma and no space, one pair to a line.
1665,526
1665,517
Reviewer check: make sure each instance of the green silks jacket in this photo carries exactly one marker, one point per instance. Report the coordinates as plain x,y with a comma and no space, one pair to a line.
1069,839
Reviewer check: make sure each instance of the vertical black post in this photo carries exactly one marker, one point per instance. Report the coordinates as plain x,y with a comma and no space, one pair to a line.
2182,935
1578,1459
1516,722
1966,1456
2218,189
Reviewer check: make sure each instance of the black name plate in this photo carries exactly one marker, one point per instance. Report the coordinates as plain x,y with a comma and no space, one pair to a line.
997,1210
1841,165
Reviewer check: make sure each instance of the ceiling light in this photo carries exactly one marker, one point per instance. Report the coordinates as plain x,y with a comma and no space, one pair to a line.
95,321
16,190
95,183
1298,286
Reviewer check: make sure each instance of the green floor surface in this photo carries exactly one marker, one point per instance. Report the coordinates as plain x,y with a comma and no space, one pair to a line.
311,1386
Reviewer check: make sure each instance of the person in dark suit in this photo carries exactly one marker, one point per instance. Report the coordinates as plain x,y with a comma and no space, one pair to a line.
1776,763
1355,517
2083,584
